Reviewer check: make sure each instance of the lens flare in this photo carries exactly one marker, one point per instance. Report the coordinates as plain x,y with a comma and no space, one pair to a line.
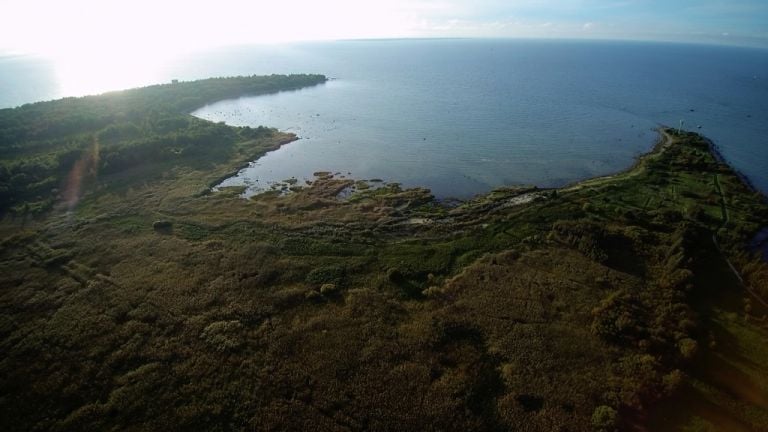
85,167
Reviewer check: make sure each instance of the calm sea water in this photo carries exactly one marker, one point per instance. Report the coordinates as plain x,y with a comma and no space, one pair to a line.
464,116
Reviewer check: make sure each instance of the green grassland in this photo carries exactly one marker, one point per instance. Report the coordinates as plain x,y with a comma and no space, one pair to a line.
147,302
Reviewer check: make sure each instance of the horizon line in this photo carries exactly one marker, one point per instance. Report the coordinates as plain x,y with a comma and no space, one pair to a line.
741,42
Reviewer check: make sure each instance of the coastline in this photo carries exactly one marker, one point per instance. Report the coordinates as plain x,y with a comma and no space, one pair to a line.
715,149
290,137
662,142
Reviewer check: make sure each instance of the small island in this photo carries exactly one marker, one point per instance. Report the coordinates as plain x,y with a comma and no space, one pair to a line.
134,297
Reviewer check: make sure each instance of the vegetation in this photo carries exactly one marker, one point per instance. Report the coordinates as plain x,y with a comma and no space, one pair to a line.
47,148
149,304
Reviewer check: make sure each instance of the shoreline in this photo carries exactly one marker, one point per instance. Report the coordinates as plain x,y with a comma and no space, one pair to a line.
448,198
664,139
290,137
715,150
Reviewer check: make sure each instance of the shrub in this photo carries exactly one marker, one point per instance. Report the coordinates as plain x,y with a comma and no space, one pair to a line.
223,335
162,225
395,276
605,418
672,381
326,275
688,348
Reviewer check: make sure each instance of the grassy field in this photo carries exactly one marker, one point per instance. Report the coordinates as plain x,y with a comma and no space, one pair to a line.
152,303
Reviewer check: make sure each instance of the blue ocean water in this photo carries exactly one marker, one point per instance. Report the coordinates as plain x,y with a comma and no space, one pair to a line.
464,116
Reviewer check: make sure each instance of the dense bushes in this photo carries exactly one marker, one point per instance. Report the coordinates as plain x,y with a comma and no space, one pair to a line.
588,237
568,313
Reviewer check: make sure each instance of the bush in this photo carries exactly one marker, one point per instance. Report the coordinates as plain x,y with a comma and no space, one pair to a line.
688,348
223,335
672,381
605,418
326,275
162,225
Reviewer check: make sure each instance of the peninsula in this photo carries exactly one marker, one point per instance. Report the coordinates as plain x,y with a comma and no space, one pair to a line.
135,298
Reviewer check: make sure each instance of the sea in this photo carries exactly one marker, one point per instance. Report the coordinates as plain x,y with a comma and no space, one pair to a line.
461,116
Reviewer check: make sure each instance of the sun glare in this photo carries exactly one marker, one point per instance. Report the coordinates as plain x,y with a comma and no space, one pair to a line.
89,74
87,26
98,46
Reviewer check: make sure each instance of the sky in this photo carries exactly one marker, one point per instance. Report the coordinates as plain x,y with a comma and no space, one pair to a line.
69,28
